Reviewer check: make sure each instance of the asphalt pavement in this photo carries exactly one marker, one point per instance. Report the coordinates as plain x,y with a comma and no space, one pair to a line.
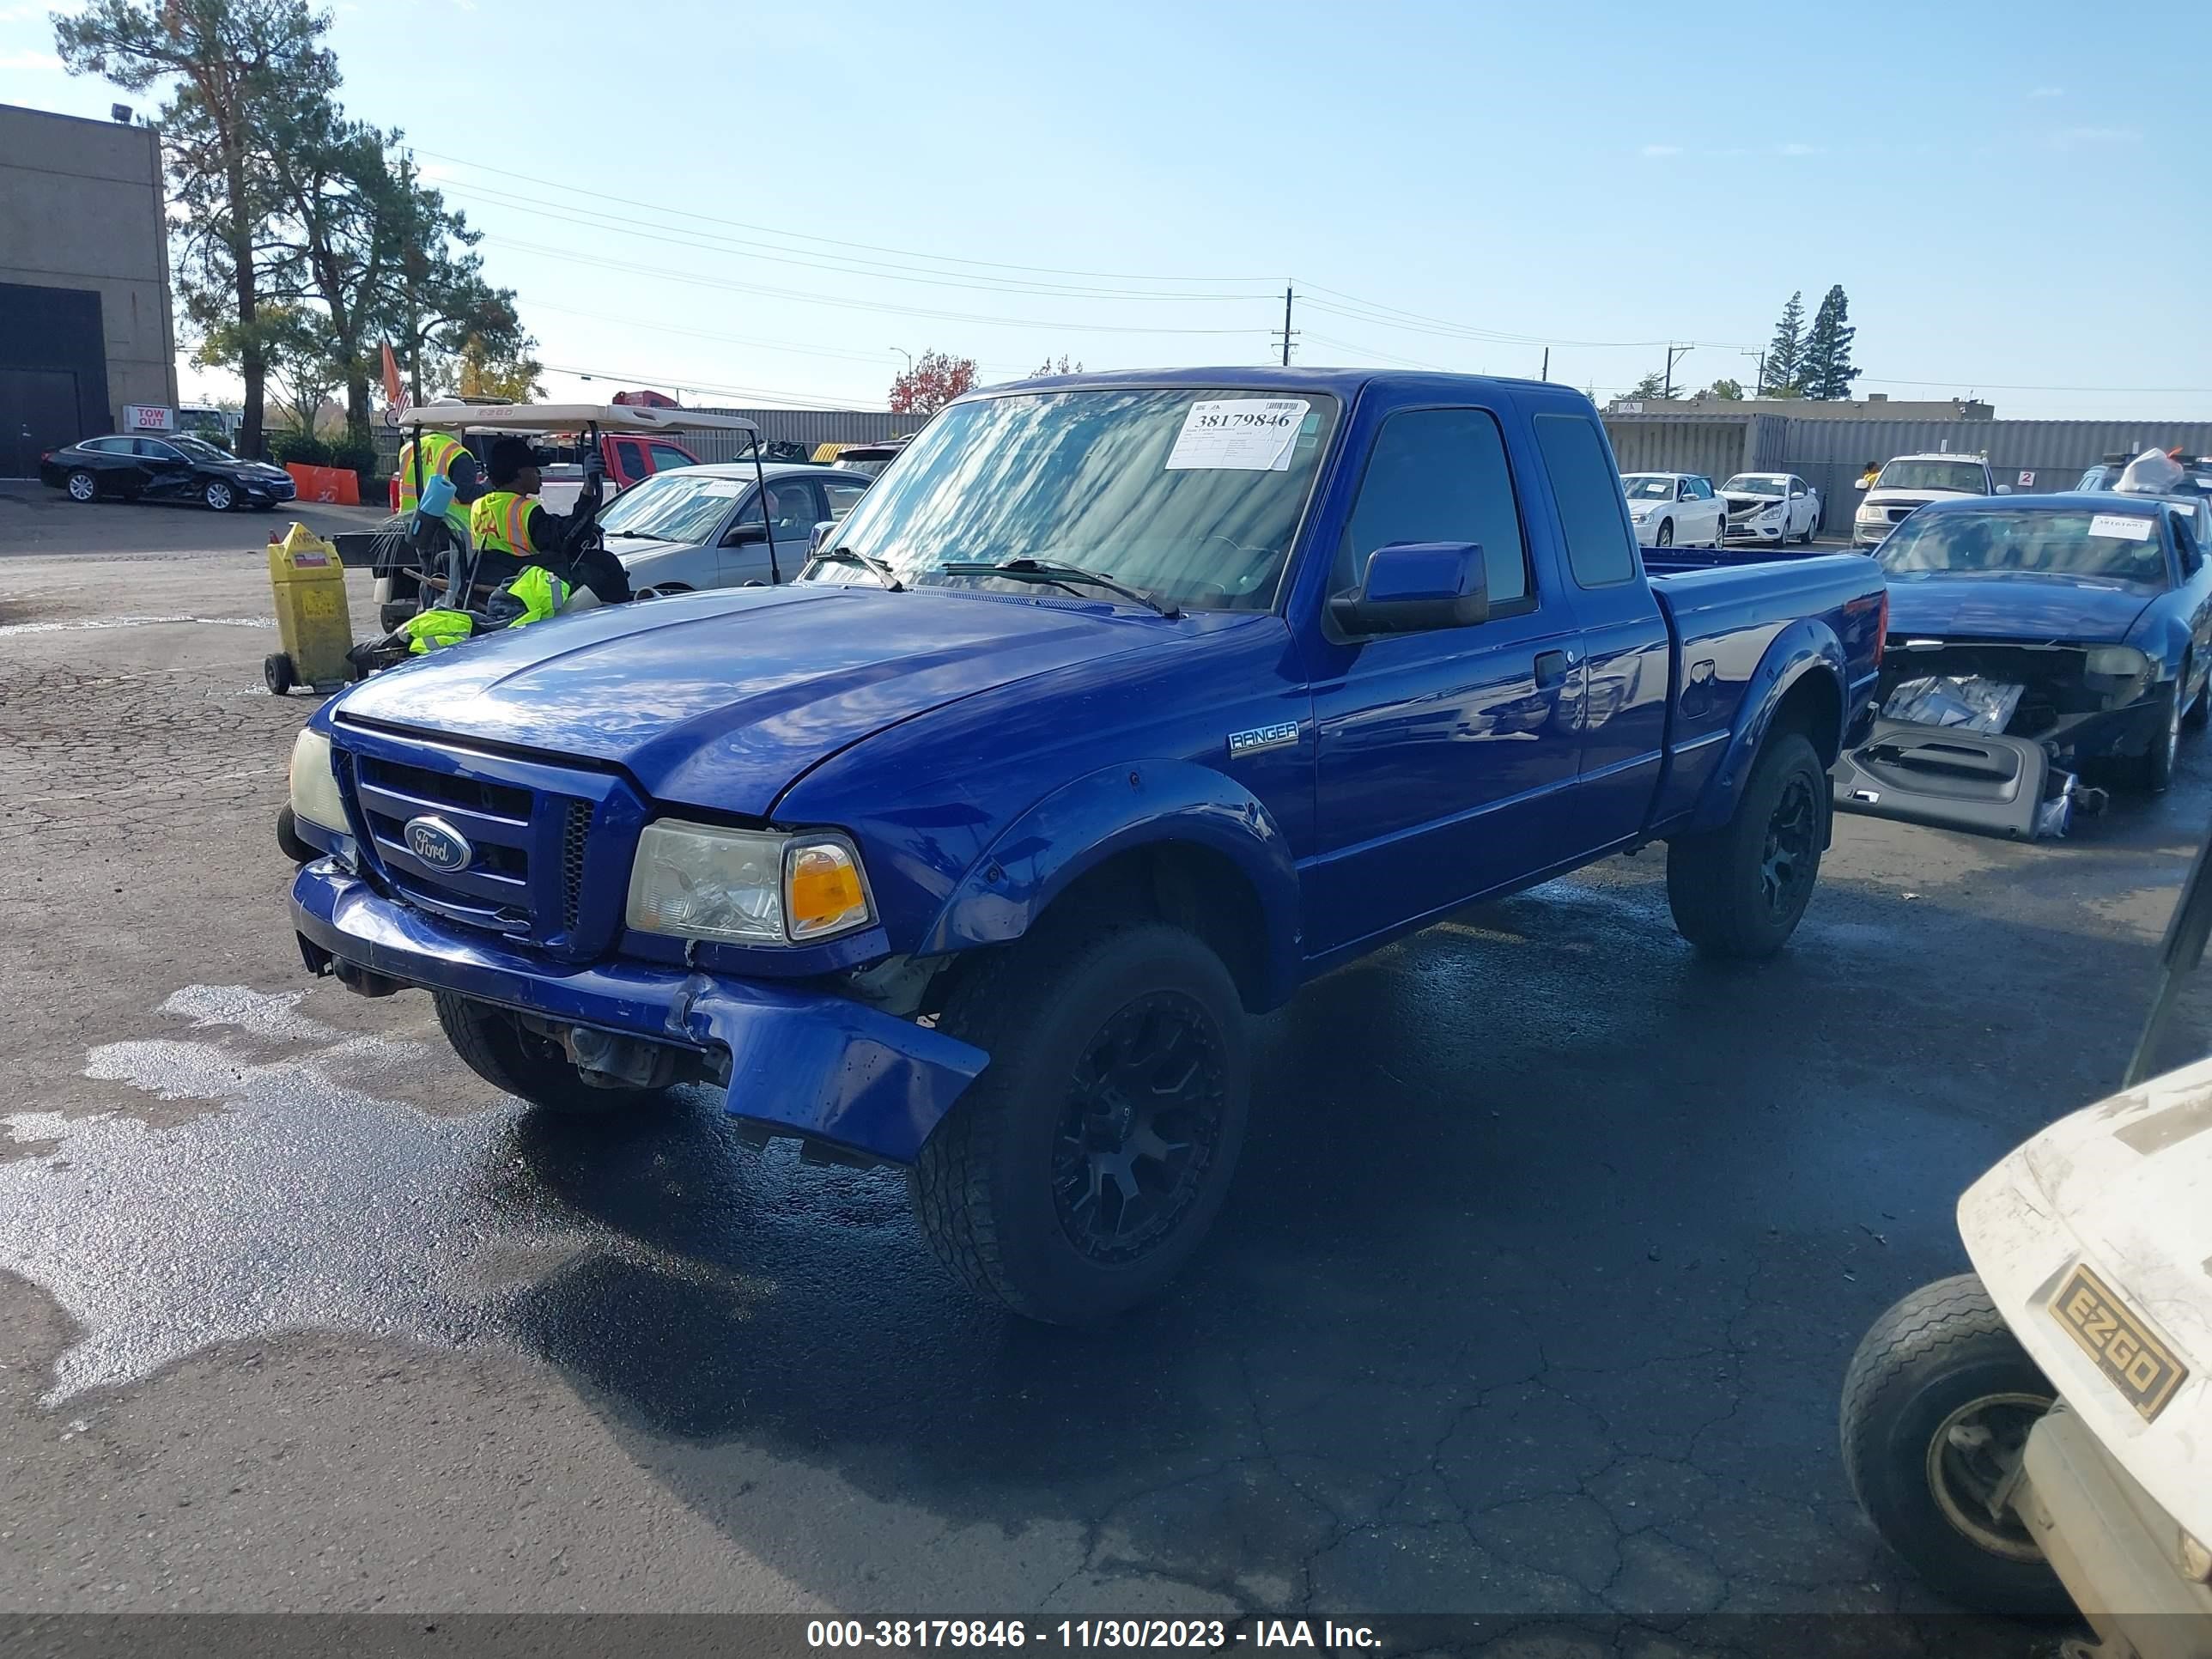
1548,1252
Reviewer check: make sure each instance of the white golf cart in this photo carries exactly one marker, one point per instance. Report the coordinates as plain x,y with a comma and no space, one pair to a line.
401,559
2036,1435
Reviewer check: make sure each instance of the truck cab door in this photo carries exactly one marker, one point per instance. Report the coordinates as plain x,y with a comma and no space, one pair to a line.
1442,756
1629,652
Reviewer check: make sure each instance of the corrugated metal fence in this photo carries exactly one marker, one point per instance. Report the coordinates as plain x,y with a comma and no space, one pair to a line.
1829,454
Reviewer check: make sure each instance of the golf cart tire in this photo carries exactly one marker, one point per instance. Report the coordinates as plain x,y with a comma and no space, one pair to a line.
494,1045
287,837
984,1186
1938,1349
1713,878
276,672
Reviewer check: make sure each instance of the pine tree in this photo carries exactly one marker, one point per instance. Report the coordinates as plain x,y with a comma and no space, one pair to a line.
1826,370
1786,356
1652,386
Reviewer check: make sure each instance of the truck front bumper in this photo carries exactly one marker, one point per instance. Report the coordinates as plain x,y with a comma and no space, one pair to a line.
801,1062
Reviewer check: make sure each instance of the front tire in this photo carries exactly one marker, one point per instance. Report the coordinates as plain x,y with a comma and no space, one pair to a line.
219,497
82,486
1079,1173
1937,1406
1666,536
2154,771
494,1045
1738,891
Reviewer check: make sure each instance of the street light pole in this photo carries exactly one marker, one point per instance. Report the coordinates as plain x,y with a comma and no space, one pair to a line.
904,353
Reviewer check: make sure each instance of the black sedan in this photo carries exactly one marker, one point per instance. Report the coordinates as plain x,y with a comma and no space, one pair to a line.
164,468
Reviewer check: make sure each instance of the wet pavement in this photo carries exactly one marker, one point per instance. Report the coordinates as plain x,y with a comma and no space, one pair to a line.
1547,1251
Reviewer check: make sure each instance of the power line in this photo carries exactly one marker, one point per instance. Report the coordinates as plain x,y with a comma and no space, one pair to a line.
591,219
830,241
871,357
801,297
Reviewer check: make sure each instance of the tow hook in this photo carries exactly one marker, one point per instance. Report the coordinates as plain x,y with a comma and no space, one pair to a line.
607,1061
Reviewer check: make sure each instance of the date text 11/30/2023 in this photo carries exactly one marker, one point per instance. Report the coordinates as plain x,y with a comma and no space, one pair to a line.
1087,1633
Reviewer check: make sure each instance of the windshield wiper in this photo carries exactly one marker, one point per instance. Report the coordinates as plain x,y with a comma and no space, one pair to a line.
867,562
1051,570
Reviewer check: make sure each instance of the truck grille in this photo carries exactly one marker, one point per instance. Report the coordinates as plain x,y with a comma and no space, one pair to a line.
503,825
575,836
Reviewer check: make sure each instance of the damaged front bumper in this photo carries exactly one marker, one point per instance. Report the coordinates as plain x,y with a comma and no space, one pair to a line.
800,1062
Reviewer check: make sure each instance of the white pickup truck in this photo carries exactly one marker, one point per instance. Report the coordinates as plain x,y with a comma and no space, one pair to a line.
1910,482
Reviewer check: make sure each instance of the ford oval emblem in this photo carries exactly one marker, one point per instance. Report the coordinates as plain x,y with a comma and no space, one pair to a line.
438,844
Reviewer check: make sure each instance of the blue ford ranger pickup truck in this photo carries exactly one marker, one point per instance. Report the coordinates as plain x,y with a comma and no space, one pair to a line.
1121,706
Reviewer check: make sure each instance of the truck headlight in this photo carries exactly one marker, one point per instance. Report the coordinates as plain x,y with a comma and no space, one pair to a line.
315,783
744,886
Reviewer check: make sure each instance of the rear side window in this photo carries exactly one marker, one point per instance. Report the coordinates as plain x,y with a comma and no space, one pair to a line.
665,456
1439,475
1599,550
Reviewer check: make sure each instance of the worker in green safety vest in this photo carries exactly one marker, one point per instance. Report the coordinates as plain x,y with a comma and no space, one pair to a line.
512,531
443,455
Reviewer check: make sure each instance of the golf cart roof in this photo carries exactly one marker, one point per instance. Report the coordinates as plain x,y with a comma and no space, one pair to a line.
453,416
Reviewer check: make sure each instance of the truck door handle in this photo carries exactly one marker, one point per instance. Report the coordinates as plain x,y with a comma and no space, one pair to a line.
1552,668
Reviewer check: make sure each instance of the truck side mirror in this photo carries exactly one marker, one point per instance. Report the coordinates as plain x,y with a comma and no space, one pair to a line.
821,534
1413,587
2004,490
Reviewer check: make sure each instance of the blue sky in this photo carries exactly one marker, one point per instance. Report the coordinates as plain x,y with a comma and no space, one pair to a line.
786,195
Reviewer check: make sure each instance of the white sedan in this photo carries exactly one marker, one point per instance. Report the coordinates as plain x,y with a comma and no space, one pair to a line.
1771,506
1673,510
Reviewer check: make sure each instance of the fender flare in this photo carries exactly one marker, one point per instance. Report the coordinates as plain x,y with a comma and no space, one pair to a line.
1807,647
1082,824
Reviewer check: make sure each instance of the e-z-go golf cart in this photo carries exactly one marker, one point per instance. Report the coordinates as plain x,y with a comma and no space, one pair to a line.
420,547
2036,1435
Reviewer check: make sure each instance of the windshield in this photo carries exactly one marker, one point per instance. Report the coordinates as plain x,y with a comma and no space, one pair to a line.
678,506
1192,495
1969,477
1752,483
1650,487
201,452
2124,546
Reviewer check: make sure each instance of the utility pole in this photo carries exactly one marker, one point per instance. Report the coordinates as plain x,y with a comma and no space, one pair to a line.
1673,352
1547,363
1288,332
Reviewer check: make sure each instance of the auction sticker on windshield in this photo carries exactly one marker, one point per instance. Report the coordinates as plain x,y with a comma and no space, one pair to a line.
2120,526
1239,434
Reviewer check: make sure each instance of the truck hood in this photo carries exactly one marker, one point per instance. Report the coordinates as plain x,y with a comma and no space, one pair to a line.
1917,497
723,699
2015,605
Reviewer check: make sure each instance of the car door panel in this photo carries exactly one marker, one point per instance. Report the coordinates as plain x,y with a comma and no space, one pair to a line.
1442,756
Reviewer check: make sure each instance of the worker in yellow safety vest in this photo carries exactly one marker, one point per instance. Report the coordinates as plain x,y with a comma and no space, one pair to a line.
512,531
445,456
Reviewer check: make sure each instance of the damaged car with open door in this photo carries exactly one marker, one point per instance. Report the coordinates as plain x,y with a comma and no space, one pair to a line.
2030,637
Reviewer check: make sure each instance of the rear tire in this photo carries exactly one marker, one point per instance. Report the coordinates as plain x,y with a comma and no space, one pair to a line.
494,1045
1081,1171
1936,1403
82,486
1739,892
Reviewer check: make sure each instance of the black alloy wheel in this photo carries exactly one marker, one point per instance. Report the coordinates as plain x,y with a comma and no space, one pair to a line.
1141,1125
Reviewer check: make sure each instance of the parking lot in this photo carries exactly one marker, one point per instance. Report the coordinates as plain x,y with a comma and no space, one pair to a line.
1548,1252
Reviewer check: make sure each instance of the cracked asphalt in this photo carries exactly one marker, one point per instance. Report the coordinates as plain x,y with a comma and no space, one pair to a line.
1534,1297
